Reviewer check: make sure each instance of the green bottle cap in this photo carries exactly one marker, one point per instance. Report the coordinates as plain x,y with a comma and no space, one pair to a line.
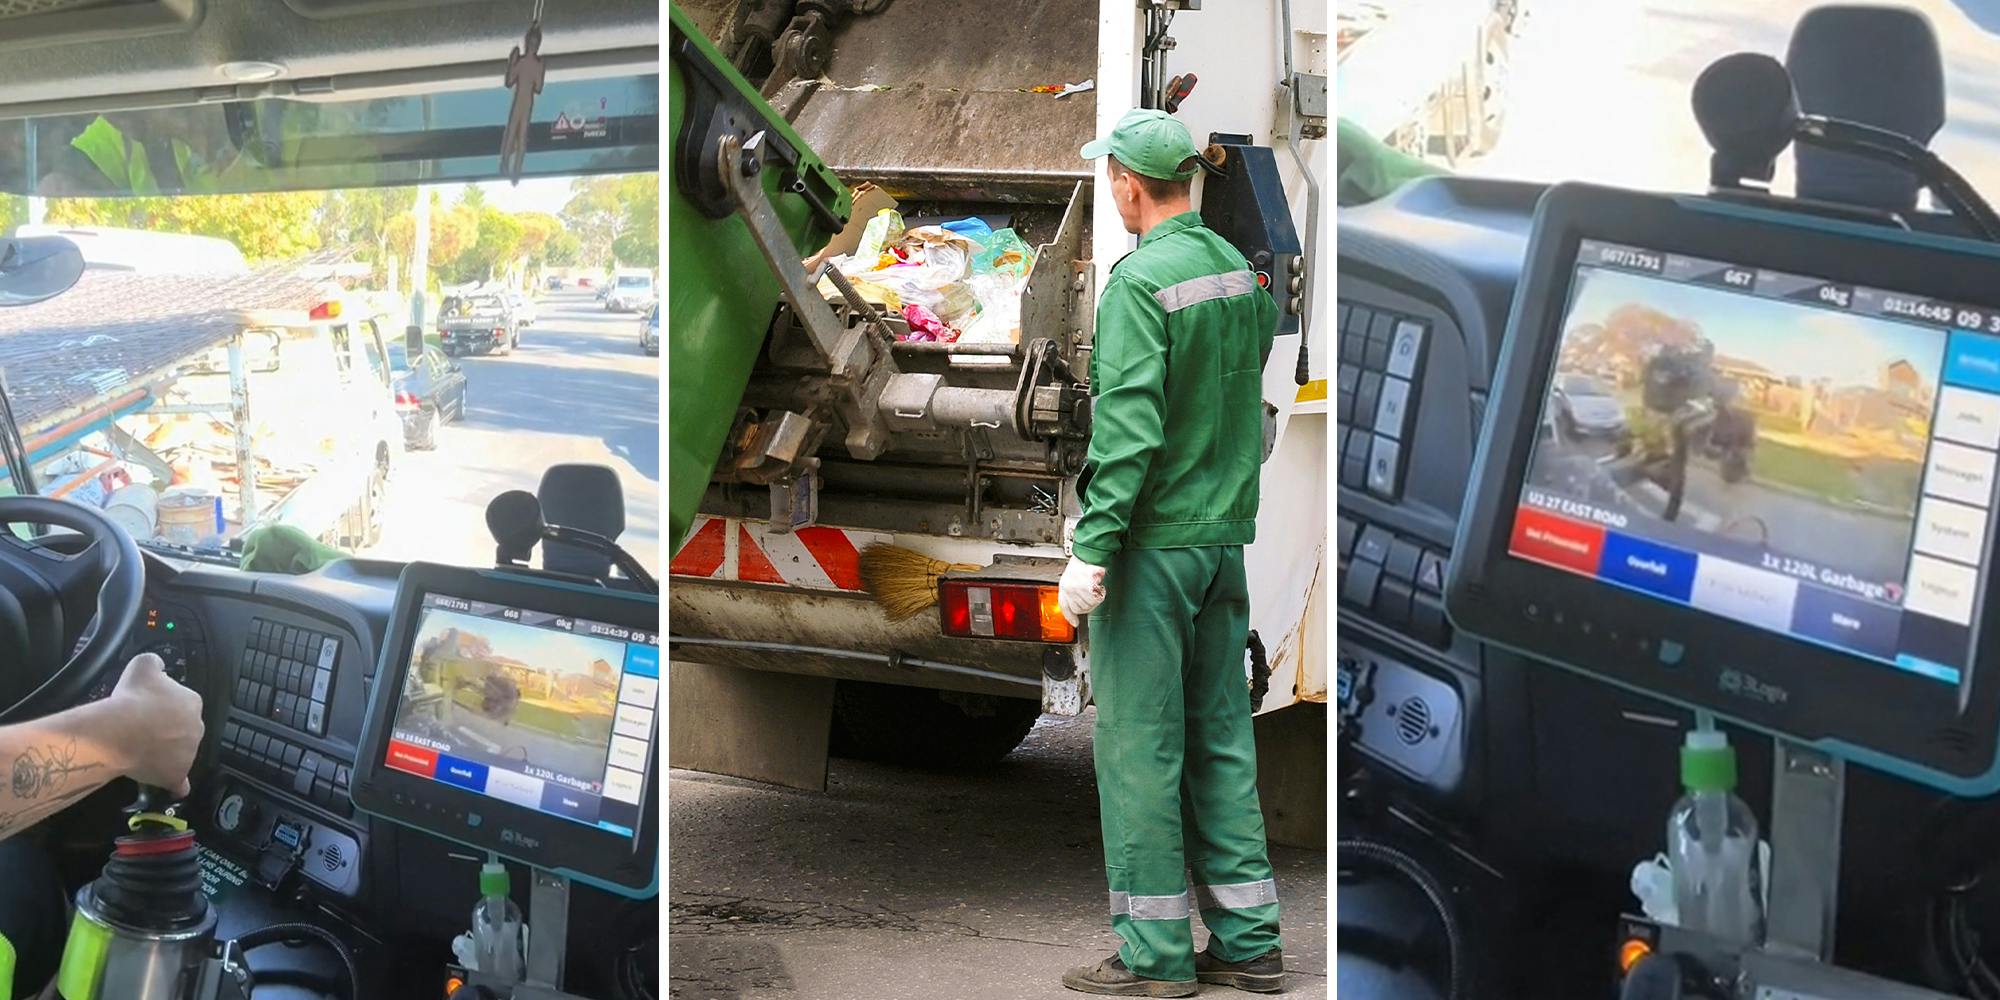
493,880
1708,762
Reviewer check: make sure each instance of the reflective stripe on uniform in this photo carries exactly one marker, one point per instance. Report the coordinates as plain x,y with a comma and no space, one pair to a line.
1183,294
1237,896
1173,907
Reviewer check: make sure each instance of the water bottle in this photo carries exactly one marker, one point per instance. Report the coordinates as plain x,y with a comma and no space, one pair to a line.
496,928
1712,845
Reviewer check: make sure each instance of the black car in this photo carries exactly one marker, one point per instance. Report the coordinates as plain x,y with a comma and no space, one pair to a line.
428,393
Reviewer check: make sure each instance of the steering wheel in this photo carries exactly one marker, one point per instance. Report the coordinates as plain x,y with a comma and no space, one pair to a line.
49,600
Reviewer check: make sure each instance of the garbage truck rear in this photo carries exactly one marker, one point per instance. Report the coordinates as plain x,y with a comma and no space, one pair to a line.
829,413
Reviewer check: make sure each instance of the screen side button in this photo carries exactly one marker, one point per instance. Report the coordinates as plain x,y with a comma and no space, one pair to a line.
1359,587
316,719
329,651
1375,544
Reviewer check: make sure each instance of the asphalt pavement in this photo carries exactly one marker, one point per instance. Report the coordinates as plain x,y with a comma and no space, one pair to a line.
898,884
578,389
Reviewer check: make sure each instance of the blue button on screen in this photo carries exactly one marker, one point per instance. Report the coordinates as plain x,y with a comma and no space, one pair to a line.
1655,569
463,773
1973,360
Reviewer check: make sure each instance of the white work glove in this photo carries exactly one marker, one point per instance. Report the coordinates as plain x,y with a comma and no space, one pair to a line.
1082,589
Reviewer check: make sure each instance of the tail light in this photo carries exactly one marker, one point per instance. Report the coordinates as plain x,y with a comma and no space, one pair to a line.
325,310
499,334
406,400
987,610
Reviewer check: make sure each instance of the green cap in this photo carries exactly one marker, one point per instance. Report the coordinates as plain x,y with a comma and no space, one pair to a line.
1148,141
493,880
1708,762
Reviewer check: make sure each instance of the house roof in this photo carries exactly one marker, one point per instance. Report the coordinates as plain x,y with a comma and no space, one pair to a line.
116,331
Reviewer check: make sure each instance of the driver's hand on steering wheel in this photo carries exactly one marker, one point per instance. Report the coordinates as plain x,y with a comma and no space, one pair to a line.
158,726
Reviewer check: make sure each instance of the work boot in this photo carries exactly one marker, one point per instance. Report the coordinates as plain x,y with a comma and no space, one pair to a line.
1263,974
1111,978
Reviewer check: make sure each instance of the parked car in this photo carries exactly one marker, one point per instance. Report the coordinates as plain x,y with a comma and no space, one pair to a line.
554,284
478,323
430,391
630,289
525,313
1585,407
583,282
649,332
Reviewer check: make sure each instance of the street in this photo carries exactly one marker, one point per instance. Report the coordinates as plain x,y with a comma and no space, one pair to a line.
1598,90
577,390
897,884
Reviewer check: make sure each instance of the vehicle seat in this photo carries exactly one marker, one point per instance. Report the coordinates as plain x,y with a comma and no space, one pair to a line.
587,497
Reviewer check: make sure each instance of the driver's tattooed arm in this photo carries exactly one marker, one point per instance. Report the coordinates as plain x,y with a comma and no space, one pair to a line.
52,762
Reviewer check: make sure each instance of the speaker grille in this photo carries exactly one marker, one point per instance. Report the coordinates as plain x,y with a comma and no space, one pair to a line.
1413,721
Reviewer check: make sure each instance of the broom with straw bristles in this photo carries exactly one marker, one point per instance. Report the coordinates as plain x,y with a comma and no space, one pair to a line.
903,581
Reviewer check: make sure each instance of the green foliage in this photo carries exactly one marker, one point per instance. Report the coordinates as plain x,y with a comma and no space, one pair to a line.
616,219
266,227
13,212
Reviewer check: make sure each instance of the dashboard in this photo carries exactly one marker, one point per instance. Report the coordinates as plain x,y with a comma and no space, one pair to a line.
1529,777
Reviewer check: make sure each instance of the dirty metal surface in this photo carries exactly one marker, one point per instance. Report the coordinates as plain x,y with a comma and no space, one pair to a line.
117,330
925,99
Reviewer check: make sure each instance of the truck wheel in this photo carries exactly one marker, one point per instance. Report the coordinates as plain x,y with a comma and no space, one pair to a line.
427,431
919,727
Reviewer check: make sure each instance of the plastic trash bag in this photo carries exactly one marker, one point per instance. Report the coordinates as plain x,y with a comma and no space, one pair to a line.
1004,251
973,228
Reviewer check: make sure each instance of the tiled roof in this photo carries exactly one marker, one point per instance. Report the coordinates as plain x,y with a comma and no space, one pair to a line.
118,330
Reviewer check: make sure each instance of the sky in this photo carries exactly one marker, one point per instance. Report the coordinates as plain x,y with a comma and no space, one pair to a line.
1788,339
535,194
540,648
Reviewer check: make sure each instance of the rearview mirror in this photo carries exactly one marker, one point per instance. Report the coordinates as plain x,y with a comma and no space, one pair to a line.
37,268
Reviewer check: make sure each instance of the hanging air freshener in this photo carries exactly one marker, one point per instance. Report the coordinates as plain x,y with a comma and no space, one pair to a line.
526,72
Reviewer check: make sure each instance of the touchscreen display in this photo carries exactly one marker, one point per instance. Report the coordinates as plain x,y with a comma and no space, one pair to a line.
1809,457
535,709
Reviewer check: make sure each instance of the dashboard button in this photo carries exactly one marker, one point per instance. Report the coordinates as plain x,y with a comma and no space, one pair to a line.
1406,348
230,732
329,651
1392,602
260,745
1377,357
1427,621
1392,412
1358,320
1349,530
322,683
1403,558
1384,467
1367,395
1430,573
1374,546
316,719
1350,379
341,775
1359,587
292,754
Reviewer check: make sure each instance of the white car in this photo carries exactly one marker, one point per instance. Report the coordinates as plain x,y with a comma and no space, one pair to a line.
629,291
524,307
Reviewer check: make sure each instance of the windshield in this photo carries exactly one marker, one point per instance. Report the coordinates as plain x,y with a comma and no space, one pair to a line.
1616,110
634,281
125,386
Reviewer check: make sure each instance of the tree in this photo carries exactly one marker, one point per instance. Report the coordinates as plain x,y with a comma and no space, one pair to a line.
473,197
452,231
13,212
363,219
638,240
272,226
495,249
616,218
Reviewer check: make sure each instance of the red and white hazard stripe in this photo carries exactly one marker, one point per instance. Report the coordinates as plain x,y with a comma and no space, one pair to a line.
816,558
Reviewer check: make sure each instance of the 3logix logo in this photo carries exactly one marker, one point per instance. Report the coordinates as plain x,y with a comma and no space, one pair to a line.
1743,685
519,839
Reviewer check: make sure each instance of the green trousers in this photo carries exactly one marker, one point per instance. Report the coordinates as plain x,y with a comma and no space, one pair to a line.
1176,762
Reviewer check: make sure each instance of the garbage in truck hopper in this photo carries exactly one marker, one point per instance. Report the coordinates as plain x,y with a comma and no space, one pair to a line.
959,281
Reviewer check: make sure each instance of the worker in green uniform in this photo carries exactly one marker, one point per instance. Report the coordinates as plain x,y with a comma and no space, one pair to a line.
1169,496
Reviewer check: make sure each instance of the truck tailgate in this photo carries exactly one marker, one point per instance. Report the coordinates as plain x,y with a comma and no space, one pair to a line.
931,100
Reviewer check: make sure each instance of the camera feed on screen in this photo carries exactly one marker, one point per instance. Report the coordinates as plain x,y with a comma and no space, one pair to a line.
539,710
1809,457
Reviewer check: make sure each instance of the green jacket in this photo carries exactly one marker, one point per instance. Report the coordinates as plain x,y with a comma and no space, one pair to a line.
1176,375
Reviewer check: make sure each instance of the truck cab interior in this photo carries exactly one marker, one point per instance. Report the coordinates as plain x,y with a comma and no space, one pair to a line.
299,96
1493,804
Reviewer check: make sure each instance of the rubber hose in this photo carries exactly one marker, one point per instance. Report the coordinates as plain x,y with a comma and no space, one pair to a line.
276,933
1427,883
